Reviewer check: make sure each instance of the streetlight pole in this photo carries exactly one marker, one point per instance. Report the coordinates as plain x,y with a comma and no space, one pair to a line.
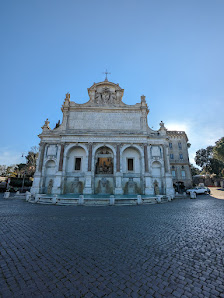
23,181
24,173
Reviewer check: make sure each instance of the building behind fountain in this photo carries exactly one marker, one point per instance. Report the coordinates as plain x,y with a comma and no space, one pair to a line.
105,146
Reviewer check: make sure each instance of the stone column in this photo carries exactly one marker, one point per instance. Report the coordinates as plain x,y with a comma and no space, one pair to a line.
118,158
61,157
90,157
118,176
146,159
168,182
57,187
88,184
148,179
42,150
165,158
88,177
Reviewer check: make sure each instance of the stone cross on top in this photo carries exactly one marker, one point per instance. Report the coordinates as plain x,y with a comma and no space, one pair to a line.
106,73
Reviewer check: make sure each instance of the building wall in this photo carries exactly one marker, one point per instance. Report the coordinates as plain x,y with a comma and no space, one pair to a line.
121,180
179,158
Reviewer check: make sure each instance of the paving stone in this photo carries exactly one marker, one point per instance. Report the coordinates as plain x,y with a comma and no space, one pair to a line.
164,250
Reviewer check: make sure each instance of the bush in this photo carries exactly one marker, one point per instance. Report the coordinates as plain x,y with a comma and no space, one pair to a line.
18,182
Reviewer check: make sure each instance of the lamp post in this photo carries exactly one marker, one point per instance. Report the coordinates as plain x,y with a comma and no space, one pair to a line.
23,181
24,174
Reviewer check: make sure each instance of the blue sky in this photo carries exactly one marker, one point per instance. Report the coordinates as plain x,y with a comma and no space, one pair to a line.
170,51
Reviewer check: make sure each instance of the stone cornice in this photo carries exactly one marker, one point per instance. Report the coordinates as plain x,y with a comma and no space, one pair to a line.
177,134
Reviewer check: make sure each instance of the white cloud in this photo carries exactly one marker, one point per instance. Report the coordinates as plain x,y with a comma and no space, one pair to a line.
200,135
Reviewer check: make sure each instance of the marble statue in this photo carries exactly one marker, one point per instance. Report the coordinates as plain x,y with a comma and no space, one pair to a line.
156,188
50,186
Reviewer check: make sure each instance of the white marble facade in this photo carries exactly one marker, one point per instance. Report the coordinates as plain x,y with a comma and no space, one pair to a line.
103,146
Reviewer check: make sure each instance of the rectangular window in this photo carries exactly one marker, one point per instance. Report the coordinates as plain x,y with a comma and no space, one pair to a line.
180,146
183,174
77,164
171,156
173,173
170,145
181,156
130,164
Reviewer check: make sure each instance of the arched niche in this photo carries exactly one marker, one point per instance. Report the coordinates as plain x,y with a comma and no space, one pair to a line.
156,169
76,160
131,160
104,161
50,168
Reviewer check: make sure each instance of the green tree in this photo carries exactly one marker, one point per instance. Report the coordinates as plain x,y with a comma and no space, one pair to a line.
10,171
218,149
203,157
20,169
194,170
215,166
31,159
3,170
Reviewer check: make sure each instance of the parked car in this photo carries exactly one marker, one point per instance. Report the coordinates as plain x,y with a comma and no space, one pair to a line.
199,190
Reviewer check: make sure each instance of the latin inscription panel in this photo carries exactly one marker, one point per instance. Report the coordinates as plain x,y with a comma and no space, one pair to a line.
108,121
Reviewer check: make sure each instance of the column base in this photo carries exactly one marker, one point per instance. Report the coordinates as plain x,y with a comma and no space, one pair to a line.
118,191
87,191
35,189
57,184
88,184
149,191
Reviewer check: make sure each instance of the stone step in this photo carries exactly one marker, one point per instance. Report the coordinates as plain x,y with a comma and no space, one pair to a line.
149,201
126,201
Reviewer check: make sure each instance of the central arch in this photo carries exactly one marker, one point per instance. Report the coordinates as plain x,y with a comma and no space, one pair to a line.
104,161
104,170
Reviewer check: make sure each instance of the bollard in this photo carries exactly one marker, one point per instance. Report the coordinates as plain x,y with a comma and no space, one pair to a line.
28,196
112,200
159,199
193,195
139,199
54,199
6,195
36,198
81,200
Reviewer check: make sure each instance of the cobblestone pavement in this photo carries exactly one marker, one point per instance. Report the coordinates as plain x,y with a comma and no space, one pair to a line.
164,250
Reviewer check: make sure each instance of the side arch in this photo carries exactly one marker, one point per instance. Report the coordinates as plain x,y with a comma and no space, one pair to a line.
67,151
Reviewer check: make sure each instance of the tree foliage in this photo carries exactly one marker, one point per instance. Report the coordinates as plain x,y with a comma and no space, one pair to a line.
31,159
218,150
203,156
207,160
3,169
194,170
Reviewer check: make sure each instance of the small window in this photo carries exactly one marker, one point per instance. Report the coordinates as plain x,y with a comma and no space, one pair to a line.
173,173
130,164
180,146
171,156
170,145
181,156
183,174
77,164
